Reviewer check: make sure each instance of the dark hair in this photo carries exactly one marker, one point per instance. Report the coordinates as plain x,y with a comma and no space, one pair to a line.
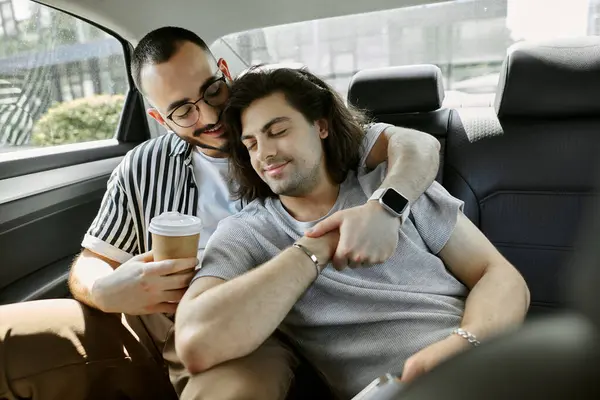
310,96
159,46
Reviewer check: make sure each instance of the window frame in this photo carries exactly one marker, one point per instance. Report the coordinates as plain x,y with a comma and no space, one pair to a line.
132,129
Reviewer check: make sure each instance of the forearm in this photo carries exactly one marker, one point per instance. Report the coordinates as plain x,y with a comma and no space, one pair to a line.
498,301
413,162
232,319
85,272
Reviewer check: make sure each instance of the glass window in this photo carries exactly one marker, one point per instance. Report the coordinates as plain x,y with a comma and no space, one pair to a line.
62,80
467,39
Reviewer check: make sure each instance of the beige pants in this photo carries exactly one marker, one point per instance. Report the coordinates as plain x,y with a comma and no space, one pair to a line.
64,350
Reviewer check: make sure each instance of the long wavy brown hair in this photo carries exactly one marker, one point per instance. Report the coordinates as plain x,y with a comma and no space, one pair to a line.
310,96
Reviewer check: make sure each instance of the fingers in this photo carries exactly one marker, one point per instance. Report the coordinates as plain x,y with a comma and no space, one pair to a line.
340,260
144,257
345,258
327,225
358,263
177,281
412,369
168,267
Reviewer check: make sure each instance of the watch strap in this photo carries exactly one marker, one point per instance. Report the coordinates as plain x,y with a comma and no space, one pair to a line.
377,194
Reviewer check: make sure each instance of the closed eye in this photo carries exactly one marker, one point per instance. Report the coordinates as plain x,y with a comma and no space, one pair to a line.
279,132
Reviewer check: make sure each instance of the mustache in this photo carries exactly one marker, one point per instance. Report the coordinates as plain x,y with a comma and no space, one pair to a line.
205,128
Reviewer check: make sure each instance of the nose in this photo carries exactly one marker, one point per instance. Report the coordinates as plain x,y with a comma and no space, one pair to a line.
208,114
265,149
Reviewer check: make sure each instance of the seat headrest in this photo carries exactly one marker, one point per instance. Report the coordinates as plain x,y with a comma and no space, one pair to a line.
391,90
554,79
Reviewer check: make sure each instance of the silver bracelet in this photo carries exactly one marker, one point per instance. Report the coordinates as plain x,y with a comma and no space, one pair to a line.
310,255
467,335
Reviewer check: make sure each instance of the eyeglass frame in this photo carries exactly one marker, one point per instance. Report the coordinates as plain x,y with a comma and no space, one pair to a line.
195,103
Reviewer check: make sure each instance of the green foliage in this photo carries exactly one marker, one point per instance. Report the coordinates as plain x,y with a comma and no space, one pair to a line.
81,120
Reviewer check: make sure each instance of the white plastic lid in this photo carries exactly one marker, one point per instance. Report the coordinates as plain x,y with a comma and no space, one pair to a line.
172,223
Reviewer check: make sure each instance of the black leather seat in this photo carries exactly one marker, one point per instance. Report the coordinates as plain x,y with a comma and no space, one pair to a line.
408,96
526,175
552,357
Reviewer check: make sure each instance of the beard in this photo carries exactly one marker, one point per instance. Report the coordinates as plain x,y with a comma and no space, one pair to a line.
196,142
298,184
197,135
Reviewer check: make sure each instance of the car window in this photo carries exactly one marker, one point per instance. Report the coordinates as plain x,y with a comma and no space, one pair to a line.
467,39
62,80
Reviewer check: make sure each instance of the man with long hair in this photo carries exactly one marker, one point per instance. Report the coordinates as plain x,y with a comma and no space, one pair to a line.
80,348
296,156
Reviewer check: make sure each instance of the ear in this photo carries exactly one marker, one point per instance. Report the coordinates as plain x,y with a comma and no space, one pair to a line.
153,112
323,128
224,68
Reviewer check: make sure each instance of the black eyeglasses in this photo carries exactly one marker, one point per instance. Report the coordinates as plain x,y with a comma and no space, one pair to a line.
188,114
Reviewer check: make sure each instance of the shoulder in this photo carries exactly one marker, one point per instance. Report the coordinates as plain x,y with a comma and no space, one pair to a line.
159,148
253,216
435,214
240,231
372,133
376,128
167,144
255,222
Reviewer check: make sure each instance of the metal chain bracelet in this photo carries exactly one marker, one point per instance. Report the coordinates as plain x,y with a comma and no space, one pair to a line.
467,335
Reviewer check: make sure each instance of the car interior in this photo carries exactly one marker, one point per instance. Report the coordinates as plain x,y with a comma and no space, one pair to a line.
521,156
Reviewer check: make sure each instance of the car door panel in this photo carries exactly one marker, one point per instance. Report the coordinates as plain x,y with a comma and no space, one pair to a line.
41,230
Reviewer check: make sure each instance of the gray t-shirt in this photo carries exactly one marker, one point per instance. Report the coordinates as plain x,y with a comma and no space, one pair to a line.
355,324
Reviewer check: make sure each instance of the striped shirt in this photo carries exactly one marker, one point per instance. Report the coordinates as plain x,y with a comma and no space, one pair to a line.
154,177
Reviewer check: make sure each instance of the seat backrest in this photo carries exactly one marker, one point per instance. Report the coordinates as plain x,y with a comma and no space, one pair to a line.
526,175
406,96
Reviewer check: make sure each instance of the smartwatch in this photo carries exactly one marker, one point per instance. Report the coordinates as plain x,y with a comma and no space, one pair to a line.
393,202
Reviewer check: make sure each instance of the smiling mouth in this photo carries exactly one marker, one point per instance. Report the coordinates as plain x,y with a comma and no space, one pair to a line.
274,169
214,129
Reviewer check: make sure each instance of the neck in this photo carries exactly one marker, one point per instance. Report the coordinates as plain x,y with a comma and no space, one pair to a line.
314,205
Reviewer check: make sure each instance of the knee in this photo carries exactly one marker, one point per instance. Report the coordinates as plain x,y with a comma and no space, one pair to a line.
265,374
234,389
238,382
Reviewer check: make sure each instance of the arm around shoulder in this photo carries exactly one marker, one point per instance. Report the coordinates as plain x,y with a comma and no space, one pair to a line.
412,156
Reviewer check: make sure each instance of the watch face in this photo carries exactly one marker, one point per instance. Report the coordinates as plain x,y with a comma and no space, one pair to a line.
394,200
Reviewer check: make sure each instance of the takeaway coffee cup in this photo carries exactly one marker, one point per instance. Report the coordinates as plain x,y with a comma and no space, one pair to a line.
175,235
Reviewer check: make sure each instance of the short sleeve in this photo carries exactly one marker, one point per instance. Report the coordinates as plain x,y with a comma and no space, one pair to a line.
372,133
231,251
112,232
435,214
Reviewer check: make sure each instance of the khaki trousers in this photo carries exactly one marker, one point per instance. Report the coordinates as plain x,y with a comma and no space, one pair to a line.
64,350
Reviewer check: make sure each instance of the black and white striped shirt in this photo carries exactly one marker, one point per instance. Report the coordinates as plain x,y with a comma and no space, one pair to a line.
154,177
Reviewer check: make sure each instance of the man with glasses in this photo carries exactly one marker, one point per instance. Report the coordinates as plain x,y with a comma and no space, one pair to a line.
90,348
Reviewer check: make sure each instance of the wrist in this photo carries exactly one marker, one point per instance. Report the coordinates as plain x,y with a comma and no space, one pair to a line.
312,246
303,263
464,338
376,206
